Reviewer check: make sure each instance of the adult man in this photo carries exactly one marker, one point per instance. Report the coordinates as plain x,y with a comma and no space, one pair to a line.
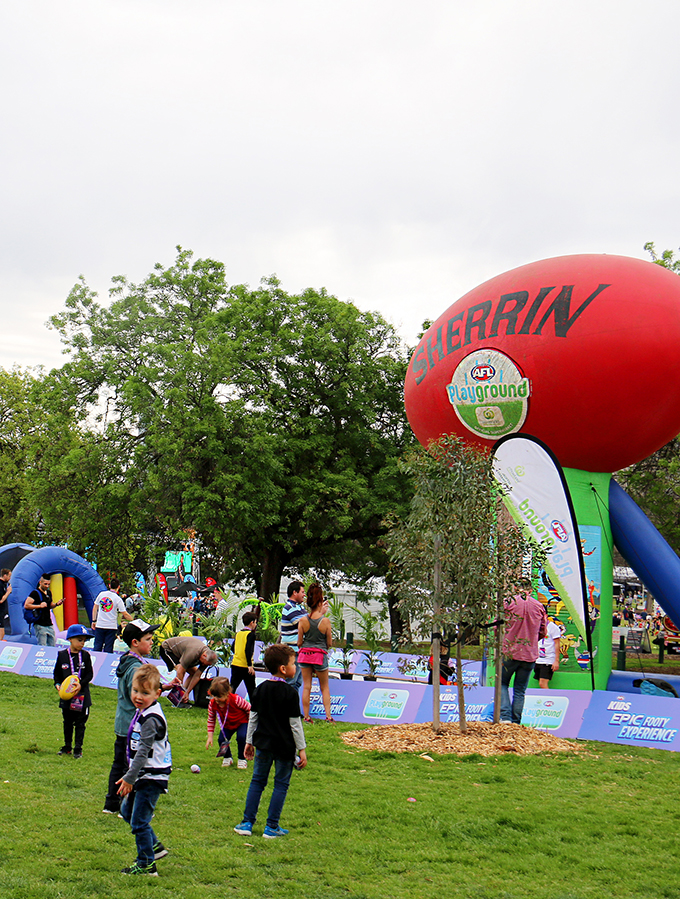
222,603
40,601
5,590
527,623
139,637
293,611
105,611
187,655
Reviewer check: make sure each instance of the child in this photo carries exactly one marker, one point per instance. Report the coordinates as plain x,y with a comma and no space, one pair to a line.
444,663
242,662
275,728
138,635
232,712
150,760
75,712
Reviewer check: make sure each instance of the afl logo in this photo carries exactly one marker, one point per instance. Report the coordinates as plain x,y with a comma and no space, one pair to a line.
559,531
548,703
483,372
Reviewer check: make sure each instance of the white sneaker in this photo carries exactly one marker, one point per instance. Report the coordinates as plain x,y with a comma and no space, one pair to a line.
227,762
242,763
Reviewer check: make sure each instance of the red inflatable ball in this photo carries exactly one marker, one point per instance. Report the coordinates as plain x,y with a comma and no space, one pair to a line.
580,351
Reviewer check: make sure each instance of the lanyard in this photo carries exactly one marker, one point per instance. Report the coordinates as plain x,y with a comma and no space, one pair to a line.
135,719
80,663
219,716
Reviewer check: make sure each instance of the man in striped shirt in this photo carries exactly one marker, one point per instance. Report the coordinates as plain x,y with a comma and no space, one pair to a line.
293,611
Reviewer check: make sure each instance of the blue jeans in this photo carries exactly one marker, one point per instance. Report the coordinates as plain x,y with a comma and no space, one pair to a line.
137,809
240,732
44,634
261,769
104,638
522,672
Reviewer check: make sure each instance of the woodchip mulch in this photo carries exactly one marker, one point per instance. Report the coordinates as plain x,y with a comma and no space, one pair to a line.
482,739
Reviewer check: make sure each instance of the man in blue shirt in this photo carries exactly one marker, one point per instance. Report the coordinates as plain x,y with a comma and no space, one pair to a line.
293,611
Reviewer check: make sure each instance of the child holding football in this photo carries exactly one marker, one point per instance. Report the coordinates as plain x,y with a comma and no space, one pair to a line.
76,709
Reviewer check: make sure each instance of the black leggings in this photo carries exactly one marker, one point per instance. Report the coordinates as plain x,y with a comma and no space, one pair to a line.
118,769
74,721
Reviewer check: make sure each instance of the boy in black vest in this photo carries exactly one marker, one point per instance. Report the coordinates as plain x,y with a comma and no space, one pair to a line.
150,767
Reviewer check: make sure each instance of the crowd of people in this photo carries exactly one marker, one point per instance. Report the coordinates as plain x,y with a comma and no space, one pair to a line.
268,726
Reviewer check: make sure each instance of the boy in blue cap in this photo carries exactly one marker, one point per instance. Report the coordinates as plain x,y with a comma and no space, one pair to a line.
75,712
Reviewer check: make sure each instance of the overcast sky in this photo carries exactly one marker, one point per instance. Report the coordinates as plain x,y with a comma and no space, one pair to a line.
396,153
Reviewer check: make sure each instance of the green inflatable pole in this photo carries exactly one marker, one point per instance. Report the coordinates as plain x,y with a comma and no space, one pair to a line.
590,497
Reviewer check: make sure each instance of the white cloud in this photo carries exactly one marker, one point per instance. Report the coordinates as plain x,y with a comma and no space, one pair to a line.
396,154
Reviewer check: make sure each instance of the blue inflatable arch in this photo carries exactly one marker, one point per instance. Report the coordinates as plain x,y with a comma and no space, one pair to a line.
50,560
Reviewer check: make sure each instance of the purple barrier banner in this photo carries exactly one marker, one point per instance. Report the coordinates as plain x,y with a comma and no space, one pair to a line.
14,656
38,661
369,702
105,664
634,719
610,717
399,665
559,712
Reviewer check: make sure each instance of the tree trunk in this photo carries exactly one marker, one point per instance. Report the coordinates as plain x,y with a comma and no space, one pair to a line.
272,569
397,620
499,667
436,723
462,719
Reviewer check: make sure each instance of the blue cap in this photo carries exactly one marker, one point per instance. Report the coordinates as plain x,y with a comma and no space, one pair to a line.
78,630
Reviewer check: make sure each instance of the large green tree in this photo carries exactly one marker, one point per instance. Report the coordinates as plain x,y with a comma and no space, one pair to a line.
268,422
22,424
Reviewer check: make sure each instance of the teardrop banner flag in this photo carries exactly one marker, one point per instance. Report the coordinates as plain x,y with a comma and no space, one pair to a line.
536,495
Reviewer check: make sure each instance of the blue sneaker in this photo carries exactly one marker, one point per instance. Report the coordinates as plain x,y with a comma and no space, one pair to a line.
245,828
271,833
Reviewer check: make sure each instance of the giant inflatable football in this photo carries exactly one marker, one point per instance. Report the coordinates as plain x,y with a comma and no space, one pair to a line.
582,352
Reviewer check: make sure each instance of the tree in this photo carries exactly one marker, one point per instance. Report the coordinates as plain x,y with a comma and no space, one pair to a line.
455,555
654,483
269,422
667,258
20,420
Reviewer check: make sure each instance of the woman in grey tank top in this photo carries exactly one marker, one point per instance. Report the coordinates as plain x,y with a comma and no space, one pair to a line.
314,632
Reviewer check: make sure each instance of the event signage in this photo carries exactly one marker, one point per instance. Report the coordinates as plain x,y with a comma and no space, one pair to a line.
537,497
557,711
634,719
489,394
13,656
399,665
612,717
370,702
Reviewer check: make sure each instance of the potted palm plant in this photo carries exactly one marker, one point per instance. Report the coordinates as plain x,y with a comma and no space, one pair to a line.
369,628
336,609
348,654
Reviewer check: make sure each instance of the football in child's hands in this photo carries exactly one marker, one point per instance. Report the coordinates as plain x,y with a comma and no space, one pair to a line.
69,687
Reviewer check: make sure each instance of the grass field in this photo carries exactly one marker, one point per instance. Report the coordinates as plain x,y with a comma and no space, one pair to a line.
602,824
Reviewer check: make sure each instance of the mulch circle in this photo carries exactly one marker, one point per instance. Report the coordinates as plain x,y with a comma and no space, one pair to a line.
481,739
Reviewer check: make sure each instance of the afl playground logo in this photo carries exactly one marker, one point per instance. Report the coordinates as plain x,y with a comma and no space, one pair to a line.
489,394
